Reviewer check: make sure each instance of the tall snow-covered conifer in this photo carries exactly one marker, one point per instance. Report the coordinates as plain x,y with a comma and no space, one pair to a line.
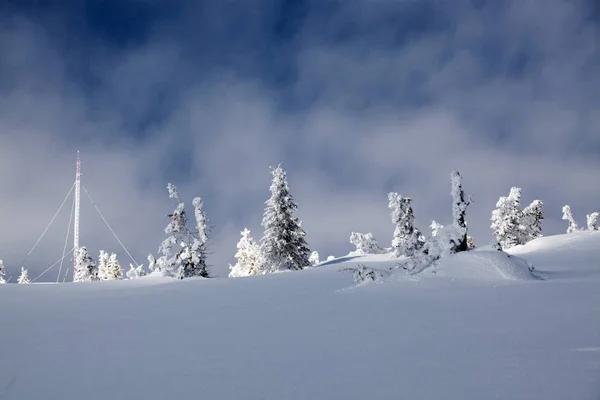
407,239
247,256
283,245
85,268
183,251
24,277
568,216
459,210
592,221
195,265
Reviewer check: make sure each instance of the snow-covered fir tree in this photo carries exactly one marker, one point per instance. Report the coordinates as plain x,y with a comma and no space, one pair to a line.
531,222
435,227
506,219
2,272
195,265
85,268
459,209
407,239
314,258
365,243
283,245
135,272
568,216
247,256
592,221
114,271
183,251
103,265
152,264
24,277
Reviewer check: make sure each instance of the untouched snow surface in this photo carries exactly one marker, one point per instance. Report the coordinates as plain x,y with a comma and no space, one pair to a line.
312,335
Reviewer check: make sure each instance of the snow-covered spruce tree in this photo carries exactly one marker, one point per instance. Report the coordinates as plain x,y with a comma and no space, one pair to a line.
365,243
2,272
114,271
506,219
152,264
435,227
407,239
283,245
247,256
568,216
183,251
592,221
314,258
103,265
24,277
135,272
459,209
169,262
195,265
531,222
85,268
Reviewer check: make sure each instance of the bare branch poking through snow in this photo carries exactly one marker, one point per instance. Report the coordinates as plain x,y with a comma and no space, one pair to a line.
362,274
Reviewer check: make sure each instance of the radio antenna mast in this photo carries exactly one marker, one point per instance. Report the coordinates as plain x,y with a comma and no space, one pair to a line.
76,216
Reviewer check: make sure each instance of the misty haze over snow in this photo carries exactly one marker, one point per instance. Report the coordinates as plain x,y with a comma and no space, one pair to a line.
354,99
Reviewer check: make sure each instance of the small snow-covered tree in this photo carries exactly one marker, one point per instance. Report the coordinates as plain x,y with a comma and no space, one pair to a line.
152,264
24,277
470,243
506,219
85,268
407,238
568,216
435,227
459,209
283,245
103,265
531,222
114,271
592,221
314,258
135,272
247,256
365,243
2,272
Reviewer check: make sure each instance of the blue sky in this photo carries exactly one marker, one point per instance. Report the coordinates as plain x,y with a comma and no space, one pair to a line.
354,98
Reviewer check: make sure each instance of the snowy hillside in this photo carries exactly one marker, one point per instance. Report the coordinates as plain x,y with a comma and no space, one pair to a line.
480,327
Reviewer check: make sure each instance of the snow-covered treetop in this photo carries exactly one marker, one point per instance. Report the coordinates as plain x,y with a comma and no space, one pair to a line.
201,220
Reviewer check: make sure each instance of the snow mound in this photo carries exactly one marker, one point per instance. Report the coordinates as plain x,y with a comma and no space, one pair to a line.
471,265
485,265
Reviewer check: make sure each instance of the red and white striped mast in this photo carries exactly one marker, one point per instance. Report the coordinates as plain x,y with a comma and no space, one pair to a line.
76,216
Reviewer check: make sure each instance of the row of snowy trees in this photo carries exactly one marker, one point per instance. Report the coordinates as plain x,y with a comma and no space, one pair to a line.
514,226
412,249
283,245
